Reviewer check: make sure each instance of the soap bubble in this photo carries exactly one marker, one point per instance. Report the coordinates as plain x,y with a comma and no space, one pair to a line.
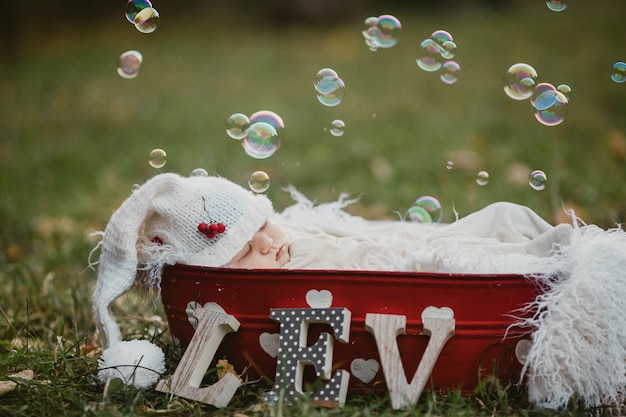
199,172
566,90
441,36
418,214
425,209
369,23
519,81
556,5
259,181
449,72
482,178
429,55
380,32
158,158
135,6
330,88
129,63
270,117
444,39
326,80
261,138
619,72
448,49
261,141
147,20
537,180
337,127
544,96
433,51
237,126
555,114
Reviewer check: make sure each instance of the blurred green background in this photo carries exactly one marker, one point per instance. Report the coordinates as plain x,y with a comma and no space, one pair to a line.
75,136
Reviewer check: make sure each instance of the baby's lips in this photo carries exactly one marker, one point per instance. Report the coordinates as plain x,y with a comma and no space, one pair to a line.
282,251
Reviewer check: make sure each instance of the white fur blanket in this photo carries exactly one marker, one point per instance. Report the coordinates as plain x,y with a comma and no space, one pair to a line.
578,323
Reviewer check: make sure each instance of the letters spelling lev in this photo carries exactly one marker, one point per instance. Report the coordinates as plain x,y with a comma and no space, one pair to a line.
293,355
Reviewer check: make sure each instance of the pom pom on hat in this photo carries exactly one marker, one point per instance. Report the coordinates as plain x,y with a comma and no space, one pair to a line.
135,362
161,224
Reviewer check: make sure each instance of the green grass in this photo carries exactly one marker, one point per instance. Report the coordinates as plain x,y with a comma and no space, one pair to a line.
76,137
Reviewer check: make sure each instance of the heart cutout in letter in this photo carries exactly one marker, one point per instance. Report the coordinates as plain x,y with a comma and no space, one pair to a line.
193,305
438,313
269,343
364,370
213,306
319,299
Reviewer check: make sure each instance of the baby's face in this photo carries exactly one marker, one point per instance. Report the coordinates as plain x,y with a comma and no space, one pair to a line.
268,249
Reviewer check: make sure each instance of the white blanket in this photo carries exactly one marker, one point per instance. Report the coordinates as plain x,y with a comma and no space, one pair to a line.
501,238
579,323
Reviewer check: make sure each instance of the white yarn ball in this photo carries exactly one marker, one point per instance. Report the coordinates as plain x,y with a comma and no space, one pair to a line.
136,362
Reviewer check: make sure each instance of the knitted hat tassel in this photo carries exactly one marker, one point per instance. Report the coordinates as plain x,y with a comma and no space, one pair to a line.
116,275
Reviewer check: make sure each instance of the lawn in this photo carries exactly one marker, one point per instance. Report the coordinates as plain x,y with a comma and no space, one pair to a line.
76,136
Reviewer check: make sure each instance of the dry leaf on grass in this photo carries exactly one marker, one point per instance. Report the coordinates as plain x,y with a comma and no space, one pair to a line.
223,368
8,386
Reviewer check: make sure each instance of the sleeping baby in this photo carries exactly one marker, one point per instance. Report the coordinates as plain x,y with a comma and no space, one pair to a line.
326,237
213,222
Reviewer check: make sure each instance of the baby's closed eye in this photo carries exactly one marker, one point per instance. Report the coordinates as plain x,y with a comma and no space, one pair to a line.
242,253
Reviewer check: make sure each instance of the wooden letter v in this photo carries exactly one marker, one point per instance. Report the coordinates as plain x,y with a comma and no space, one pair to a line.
438,324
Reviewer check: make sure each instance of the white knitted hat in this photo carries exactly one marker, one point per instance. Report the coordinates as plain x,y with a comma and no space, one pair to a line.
170,219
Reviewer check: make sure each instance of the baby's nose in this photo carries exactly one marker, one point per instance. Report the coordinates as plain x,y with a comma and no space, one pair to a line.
264,243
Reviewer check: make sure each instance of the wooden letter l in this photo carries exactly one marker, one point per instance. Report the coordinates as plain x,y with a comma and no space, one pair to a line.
186,379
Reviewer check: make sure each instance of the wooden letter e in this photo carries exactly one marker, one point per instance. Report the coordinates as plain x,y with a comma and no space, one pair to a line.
294,354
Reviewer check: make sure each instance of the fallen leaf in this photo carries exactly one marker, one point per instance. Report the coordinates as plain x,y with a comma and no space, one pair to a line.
8,386
223,368
25,374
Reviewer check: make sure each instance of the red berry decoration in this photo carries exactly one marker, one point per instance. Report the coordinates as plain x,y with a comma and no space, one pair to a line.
211,229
